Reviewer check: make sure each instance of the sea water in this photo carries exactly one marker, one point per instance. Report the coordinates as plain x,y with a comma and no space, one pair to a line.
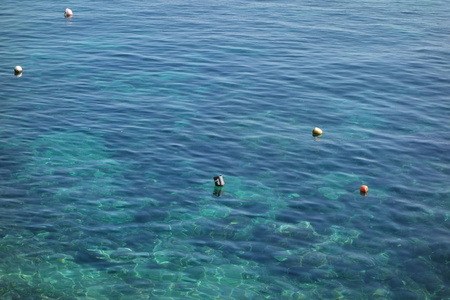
124,113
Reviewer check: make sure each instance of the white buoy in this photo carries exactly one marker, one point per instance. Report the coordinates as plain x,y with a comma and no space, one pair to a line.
68,13
218,181
18,71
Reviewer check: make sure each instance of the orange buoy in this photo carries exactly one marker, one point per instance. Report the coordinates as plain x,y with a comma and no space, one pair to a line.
364,189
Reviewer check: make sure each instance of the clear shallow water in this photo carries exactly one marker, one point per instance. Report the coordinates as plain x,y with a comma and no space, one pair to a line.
124,114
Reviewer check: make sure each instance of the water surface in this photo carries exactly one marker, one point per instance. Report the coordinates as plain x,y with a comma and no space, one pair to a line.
110,140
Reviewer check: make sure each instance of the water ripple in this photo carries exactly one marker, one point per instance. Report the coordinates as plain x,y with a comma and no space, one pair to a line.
124,114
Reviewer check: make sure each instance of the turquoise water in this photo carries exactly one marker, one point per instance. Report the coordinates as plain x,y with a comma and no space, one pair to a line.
110,140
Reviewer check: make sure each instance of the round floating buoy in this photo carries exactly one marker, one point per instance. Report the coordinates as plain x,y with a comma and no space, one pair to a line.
68,13
317,131
18,71
363,190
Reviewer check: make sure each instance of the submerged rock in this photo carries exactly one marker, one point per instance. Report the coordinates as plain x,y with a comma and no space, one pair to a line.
332,193
313,259
302,231
404,294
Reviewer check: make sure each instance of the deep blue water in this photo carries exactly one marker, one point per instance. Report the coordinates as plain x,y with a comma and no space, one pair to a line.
110,140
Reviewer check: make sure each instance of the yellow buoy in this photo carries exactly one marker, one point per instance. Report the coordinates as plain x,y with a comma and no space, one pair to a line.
317,131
